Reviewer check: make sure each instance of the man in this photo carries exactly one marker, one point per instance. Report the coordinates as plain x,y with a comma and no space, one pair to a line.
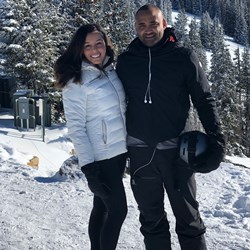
159,76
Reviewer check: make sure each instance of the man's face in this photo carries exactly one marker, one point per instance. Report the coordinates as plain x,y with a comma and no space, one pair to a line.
150,26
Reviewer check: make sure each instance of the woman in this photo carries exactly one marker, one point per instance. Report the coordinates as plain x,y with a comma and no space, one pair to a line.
94,106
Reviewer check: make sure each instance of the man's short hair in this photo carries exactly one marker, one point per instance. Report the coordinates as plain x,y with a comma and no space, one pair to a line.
147,7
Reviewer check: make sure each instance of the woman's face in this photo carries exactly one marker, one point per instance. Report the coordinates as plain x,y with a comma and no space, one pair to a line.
94,48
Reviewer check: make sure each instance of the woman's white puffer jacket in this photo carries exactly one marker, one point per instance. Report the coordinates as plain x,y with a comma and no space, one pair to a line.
95,114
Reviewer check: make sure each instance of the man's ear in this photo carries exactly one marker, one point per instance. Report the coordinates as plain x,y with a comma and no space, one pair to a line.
164,22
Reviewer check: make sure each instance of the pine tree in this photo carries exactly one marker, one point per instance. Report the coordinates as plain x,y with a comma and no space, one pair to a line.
211,7
241,96
195,42
238,68
241,29
116,19
166,8
228,17
197,7
82,12
131,9
224,89
180,26
206,26
245,81
217,34
31,42
7,25
247,18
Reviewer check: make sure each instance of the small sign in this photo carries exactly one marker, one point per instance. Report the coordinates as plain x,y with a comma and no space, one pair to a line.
40,107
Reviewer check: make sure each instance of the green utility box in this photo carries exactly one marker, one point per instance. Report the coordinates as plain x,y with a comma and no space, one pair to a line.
24,107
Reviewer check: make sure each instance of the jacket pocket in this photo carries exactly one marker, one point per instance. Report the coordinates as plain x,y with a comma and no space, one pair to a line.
104,132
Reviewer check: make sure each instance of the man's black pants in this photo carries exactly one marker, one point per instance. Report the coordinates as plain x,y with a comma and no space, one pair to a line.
152,172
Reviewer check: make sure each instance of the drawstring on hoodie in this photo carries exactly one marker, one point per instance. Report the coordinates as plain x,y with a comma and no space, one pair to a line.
172,39
147,97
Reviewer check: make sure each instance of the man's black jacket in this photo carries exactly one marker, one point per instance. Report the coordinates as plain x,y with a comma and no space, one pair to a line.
167,75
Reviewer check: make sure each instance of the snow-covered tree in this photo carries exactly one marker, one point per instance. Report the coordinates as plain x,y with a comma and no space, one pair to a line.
131,9
241,28
206,26
116,16
228,17
217,34
180,26
195,42
166,7
224,88
245,81
241,95
30,33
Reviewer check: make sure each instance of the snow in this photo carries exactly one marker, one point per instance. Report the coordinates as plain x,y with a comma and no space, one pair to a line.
9,29
10,22
15,46
40,209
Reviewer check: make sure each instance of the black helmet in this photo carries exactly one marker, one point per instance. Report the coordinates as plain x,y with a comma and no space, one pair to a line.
191,145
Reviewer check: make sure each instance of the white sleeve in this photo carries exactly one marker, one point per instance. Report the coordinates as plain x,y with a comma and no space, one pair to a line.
74,102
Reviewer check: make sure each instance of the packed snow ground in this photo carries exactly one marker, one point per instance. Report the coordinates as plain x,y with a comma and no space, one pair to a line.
40,209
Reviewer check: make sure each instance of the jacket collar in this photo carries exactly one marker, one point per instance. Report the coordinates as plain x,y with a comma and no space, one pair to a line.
91,72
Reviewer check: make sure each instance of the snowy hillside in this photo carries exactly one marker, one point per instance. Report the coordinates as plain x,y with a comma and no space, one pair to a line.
42,210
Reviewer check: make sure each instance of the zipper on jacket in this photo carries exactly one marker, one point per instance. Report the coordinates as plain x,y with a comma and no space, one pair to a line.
98,77
104,132
118,97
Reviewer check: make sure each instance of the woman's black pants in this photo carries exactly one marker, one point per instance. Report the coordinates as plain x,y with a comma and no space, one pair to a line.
108,214
153,172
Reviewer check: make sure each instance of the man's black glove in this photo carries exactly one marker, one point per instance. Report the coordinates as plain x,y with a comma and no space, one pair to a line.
92,174
214,155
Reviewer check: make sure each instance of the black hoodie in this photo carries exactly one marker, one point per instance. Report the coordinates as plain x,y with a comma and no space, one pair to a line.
159,82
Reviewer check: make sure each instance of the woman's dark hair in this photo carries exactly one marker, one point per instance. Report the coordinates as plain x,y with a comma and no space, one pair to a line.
68,65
